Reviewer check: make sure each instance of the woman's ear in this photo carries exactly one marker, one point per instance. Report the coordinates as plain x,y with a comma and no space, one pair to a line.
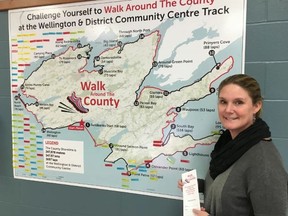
257,107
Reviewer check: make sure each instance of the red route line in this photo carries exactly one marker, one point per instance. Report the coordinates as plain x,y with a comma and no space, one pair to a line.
231,66
183,161
148,87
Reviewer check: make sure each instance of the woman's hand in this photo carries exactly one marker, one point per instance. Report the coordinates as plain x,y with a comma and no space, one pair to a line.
201,212
180,184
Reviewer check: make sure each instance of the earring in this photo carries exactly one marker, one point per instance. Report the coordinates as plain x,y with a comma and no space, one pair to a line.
254,118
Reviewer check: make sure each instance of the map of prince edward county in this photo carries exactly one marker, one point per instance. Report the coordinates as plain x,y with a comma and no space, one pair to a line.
113,99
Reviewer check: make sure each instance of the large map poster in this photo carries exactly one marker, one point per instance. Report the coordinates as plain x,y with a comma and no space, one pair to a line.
120,95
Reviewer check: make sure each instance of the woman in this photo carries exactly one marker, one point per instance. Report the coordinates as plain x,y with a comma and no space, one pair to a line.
246,175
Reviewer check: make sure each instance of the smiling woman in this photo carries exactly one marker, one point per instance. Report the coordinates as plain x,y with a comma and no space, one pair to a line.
245,165
12,4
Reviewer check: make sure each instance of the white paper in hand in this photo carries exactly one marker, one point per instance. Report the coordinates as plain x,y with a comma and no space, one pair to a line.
191,198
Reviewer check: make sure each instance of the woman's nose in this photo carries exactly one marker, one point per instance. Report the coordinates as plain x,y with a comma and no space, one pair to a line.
229,107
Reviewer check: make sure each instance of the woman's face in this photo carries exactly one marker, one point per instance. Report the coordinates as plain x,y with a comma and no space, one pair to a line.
235,109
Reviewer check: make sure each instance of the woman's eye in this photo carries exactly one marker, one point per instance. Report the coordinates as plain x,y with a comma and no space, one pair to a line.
222,102
238,102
